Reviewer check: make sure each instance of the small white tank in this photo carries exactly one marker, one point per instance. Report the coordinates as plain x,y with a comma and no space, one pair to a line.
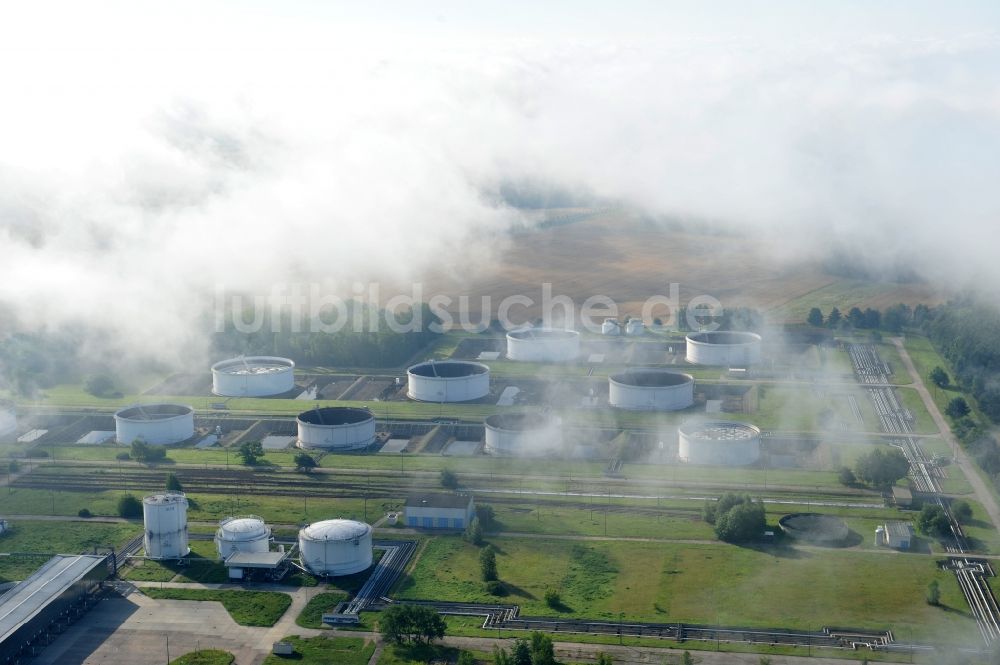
611,327
242,534
164,516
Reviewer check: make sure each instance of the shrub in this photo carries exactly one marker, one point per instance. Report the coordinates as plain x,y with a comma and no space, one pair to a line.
552,598
83,512
129,507
448,479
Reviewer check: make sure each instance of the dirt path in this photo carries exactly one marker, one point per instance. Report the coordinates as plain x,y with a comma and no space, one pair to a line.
983,493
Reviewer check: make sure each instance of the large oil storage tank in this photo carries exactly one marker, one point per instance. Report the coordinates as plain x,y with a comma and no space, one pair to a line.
721,443
723,348
336,428
157,424
8,420
242,534
448,381
543,345
254,376
522,434
651,390
336,547
164,516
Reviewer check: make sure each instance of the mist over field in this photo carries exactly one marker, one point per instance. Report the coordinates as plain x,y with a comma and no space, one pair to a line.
141,172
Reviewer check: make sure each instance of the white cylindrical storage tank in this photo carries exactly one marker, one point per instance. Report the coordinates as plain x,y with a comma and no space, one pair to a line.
8,419
254,376
448,381
611,327
635,327
522,434
723,348
543,345
336,547
720,443
651,390
336,428
157,424
165,518
242,534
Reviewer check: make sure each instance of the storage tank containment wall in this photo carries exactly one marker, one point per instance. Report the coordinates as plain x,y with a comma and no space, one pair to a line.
543,345
718,443
336,428
723,348
651,390
448,381
156,424
254,376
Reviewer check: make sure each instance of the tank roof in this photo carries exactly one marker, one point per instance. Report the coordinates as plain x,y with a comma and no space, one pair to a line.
719,431
336,529
651,378
249,527
151,412
724,337
447,369
254,365
543,333
520,421
332,416
165,497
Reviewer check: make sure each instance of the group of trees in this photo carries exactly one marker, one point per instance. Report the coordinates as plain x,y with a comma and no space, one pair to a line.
141,451
737,517
891,319
879,468
347,347
411,624
537,650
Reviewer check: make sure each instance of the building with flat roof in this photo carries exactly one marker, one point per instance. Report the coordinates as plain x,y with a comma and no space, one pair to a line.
438,510
56,593
895,534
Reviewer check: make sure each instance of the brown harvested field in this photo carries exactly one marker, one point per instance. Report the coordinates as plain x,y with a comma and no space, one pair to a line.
630,261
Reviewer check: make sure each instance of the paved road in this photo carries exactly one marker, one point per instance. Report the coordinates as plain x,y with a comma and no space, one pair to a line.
983,494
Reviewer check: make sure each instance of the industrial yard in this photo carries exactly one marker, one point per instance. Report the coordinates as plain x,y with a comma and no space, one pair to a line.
590,489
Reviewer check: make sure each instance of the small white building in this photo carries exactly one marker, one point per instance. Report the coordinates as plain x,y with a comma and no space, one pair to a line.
611,327
439,510
895,534
635,327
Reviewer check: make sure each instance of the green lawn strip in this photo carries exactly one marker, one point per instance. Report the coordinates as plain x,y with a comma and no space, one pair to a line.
890,354
805,588
323,650
311,615
247,608
923,422
205,657
282,509
33,542
424,653
202,565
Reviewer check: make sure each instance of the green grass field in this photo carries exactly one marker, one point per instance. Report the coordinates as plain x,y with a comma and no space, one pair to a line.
323,650
205,657
725,584
200,566
248,608
311,615
46,538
